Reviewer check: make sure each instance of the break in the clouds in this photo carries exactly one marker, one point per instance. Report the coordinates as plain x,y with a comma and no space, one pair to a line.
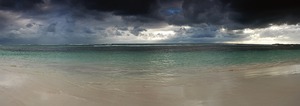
148,21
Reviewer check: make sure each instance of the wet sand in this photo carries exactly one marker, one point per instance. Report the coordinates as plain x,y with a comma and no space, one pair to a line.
45,86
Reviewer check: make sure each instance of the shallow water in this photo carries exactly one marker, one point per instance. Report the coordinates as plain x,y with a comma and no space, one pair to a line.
151,57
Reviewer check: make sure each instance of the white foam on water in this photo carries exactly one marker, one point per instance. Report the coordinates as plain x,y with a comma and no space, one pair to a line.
274,71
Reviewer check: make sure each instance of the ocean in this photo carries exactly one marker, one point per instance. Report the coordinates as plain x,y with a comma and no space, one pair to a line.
153,57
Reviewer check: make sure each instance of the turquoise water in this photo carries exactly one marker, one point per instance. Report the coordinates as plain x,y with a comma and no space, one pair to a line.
150,57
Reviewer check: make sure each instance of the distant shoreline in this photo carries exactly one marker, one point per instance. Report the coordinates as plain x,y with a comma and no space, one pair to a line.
153,47
276,44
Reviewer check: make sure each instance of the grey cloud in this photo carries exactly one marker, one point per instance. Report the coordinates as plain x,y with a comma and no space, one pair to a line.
3,21
204,33
29,25
89,30
205,11
137,30
51,27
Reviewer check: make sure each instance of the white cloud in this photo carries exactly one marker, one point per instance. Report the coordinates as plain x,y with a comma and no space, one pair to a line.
284,34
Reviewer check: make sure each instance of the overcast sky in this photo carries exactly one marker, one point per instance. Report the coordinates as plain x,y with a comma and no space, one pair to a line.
149,21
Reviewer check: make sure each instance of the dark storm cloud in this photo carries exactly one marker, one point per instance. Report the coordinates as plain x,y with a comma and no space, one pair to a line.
260,13
250,13
240,13
120,7
19,4
204,11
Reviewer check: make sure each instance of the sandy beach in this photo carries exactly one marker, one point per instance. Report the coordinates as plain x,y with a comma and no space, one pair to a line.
269,86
